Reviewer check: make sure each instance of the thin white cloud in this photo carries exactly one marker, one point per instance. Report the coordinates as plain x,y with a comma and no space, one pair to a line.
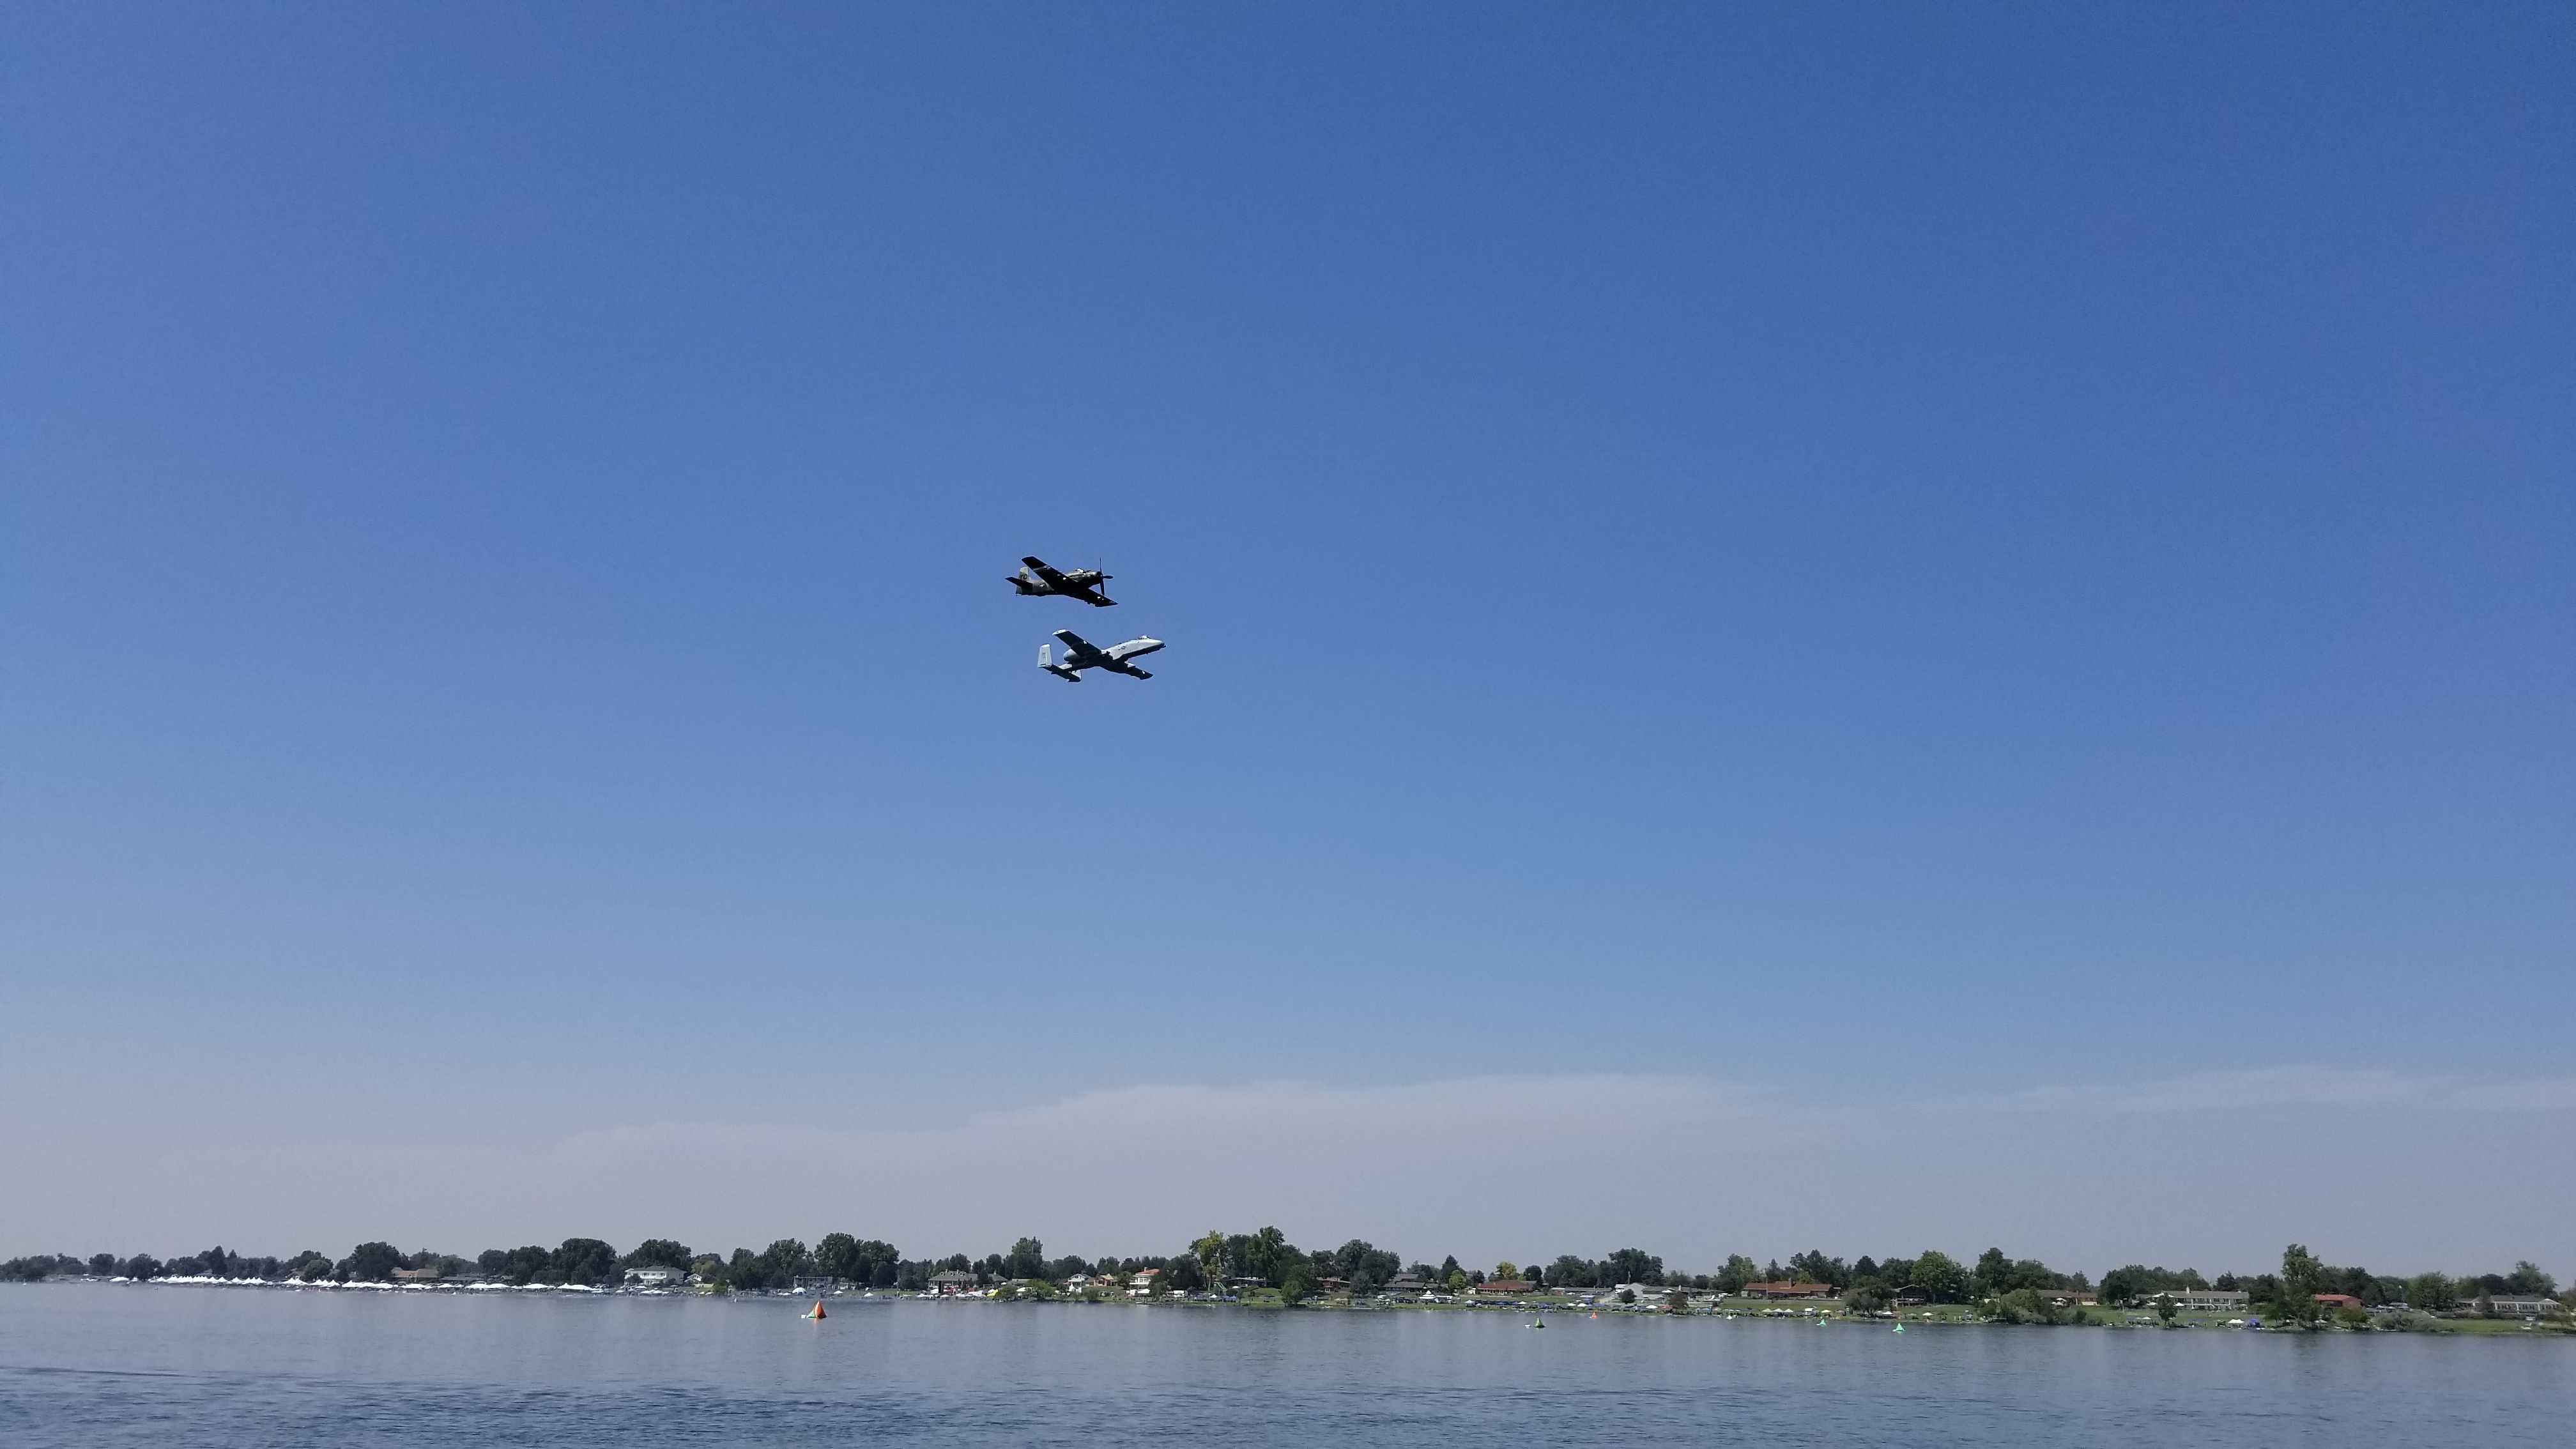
1485,1167
2310,1086
1473,1115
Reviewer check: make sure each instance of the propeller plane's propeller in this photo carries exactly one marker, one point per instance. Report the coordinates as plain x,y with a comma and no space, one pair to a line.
1035,578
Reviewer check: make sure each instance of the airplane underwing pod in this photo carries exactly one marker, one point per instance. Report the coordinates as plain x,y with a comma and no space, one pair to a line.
1081,654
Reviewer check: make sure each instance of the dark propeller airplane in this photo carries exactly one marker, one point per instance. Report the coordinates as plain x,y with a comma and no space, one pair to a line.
1081,654
1084,584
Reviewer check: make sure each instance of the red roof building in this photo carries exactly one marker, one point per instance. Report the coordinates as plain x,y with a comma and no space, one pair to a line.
1788,1290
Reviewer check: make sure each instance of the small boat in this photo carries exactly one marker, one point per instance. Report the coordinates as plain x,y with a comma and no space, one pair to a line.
816,1311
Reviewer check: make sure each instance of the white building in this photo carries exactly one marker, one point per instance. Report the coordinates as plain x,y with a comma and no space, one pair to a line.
2203,1300
2507,1306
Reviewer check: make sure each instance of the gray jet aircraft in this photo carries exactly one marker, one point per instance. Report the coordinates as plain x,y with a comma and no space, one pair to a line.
1036,578
1081,654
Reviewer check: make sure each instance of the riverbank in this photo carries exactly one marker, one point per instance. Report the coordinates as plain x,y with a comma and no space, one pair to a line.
1539,1306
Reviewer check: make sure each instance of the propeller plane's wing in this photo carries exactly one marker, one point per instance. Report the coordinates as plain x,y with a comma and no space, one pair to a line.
1038,577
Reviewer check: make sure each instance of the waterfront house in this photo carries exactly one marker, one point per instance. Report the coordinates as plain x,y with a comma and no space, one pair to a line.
1406,1283
2205,1300
1788,1290
655,1277
2506,1306
951,1282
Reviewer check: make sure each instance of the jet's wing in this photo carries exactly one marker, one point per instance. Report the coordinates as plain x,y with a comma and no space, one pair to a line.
1039,567
1076,647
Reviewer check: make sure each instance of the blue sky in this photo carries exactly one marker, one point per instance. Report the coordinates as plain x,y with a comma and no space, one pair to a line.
1899,556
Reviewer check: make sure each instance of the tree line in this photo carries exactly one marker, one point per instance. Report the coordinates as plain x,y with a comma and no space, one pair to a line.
1265,1259
2292,1293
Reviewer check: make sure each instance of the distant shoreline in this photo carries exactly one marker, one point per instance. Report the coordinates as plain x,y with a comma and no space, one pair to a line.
1951,1316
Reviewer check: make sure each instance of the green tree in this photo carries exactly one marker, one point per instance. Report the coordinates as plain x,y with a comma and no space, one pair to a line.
2296,1299
659,1253
1267,1255
1296,1281
1814,1267
2431,1293
2165,1309
2300,1270
1365,1265
1027,1259
371,1262
2134,1282
519,1266
867,1262
586,1261
2030,1305
1939,1277
836,1255
1635,1265
783,1261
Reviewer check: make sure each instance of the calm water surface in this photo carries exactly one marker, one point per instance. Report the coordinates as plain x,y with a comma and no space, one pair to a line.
101,1364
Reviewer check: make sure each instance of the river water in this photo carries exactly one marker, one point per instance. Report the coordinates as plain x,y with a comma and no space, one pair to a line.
107,1364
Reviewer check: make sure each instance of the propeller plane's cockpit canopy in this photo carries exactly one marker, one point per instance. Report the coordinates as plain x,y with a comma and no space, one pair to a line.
1035,577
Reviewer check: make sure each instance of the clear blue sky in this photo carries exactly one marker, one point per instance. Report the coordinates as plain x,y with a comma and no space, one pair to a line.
1919,551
